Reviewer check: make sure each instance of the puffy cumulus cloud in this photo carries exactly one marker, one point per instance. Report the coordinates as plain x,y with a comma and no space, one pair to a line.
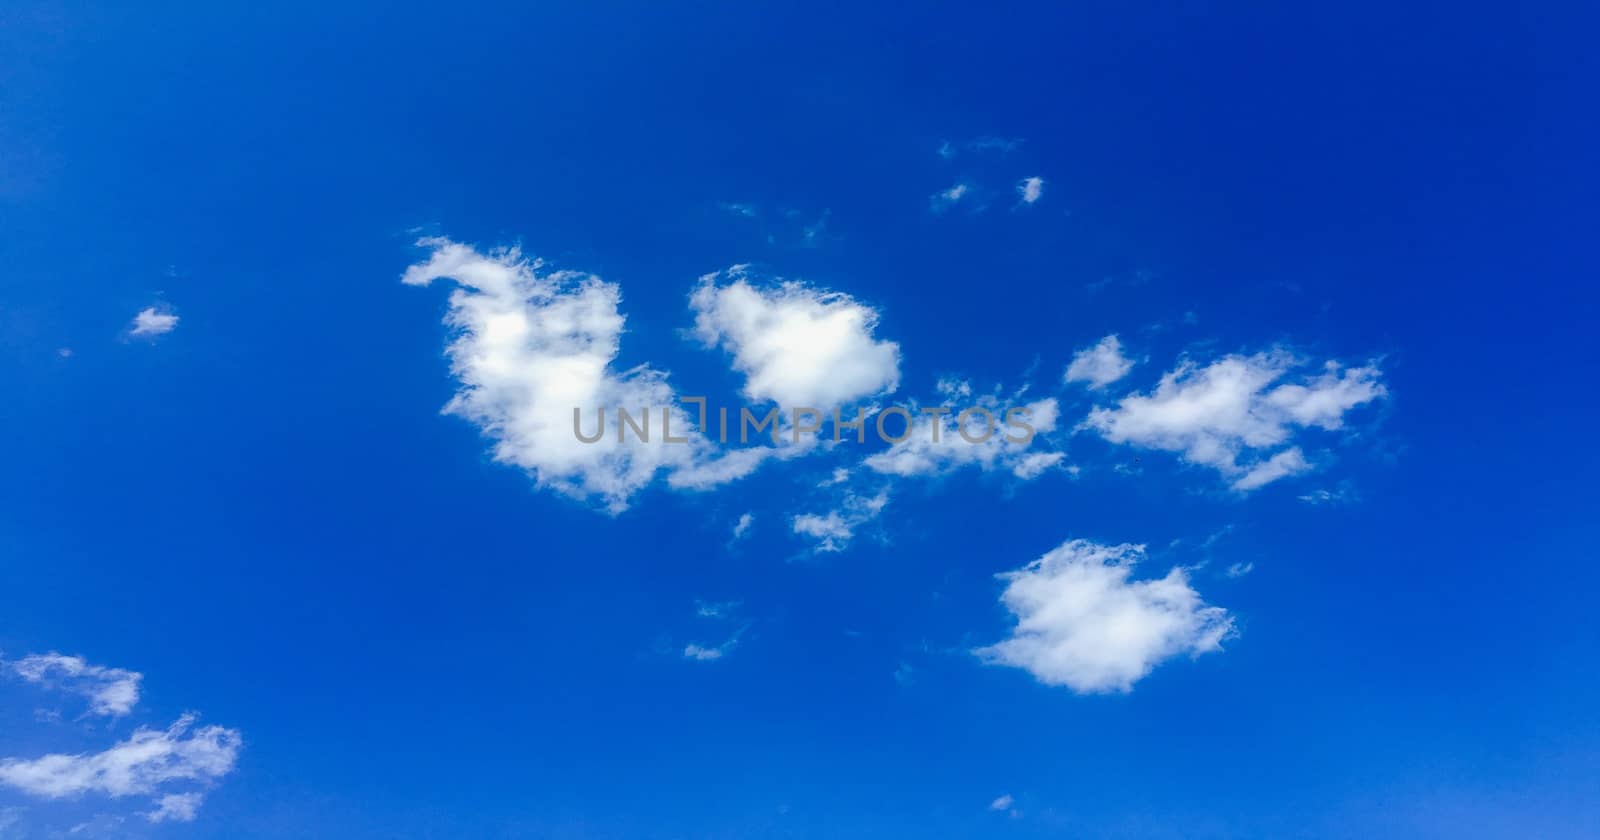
112,692
833,531
991,436
532,348
140,765
1232,409
1099,365
796,346
1082,623
1030,189
151,322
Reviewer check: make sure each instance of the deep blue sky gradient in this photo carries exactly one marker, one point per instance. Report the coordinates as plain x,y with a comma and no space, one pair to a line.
265,513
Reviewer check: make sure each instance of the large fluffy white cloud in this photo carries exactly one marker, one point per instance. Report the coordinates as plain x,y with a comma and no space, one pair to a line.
1237,414
532,347
797,346
1082,623
112,692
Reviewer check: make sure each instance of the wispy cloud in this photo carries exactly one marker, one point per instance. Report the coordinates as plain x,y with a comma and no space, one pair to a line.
111,692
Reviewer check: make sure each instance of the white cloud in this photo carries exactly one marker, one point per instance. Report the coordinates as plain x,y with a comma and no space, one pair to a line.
1082,623
945,199
936,446
1289,462
1217,414
703,654
112,692
1002,803
529,348
1238,570
742,527
151,322
797,346
148,759
177,807
1099,365
835,529
1030,189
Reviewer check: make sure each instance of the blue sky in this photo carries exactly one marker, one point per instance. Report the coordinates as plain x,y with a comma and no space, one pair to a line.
1307,550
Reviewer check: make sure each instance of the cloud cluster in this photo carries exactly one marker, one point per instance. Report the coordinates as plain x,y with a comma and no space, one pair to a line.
1239,408
532,348
797,346
111,692
148,763
1084,624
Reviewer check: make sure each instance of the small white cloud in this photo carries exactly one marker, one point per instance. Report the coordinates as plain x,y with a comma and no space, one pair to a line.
148,759
701,654
176,807
834,530
112,692
151,322
1222,412
945,199
936,446
797,346
1002,803
1325,496
742,527
1099,365
1289,462
1030,189
1238,570
1082,623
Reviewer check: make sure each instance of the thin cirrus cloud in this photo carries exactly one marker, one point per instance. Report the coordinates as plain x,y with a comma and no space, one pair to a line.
797,346
1082,622
530,347
1238,414
1099,365
111,692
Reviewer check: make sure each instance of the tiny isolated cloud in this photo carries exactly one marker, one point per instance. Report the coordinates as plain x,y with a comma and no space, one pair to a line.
1239,414
1030,190
1002,802
532,350
153,321
947,198
111,692
743,525
1099,365
1083,622
796,345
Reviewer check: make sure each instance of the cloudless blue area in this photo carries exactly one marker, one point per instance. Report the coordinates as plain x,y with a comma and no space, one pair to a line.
265,513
